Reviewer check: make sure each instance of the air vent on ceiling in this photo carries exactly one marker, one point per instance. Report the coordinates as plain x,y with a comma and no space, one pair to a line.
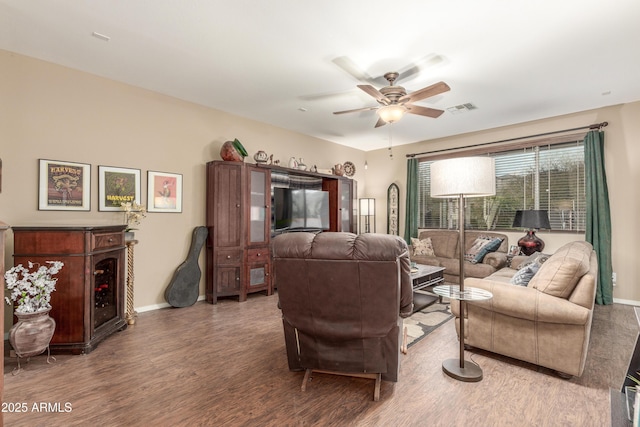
462,108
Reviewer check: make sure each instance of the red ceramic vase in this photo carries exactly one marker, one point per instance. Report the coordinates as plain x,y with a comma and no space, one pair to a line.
229,153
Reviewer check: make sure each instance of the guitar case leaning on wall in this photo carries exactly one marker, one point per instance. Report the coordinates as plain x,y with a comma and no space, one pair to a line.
183,288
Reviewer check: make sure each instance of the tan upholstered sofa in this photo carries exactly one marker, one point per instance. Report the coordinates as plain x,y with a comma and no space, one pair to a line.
548,321
343,297
445,246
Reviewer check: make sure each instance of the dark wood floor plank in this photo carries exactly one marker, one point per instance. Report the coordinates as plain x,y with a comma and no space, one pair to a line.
225,364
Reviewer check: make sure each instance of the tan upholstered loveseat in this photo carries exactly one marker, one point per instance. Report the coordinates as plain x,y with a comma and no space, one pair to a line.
547,322
445,245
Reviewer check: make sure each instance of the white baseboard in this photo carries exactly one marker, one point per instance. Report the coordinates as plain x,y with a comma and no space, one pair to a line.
139,310
159,306
202,297
626,302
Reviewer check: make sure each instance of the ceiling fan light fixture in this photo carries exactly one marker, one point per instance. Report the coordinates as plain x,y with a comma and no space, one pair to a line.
391,113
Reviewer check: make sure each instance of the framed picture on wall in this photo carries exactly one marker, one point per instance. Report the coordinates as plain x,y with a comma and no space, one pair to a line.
64,186
164,192
117,186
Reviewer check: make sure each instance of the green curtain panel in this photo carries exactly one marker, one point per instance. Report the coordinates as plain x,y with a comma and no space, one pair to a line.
411,215
598,227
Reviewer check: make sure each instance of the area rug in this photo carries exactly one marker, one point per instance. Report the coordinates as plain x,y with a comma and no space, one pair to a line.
423,322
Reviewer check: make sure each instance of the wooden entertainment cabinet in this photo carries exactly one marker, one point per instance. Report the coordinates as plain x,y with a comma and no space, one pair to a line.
88,303
239,199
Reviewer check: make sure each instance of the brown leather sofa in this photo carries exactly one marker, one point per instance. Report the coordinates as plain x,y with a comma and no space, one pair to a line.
547,322
445,245
343,297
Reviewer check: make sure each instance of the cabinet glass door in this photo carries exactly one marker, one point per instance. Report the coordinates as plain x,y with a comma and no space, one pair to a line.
259,197
258,275
345,206
105,291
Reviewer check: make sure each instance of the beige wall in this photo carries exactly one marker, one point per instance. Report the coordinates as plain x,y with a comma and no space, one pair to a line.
622,160
52,112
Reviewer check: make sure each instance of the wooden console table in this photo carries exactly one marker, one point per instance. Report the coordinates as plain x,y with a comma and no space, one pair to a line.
88,304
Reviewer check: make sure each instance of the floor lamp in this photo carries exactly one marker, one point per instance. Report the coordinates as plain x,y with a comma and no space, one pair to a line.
368,212
463,177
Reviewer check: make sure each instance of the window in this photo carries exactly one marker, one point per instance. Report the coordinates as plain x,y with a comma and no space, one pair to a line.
549,177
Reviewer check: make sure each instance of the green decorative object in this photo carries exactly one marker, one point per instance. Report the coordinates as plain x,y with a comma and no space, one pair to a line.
238,146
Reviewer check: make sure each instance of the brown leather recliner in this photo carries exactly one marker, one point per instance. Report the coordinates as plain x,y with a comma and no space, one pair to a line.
343,297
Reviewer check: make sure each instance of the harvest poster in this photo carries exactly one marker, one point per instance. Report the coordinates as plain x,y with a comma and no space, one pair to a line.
64,185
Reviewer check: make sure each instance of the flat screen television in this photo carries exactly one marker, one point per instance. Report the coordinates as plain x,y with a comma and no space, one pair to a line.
300,210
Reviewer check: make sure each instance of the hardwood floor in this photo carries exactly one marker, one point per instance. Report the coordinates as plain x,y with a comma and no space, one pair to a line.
225,364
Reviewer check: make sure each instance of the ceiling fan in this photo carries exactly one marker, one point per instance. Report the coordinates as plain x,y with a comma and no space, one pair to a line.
395,102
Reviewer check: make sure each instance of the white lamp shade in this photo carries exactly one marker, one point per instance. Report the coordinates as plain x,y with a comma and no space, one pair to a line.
367,207
469,176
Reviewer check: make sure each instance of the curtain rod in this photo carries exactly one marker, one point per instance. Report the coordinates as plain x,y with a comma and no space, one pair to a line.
590,127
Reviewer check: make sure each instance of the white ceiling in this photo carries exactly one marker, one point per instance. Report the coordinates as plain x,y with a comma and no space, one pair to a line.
515,60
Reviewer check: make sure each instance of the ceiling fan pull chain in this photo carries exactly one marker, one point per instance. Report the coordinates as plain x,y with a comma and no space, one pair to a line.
390,142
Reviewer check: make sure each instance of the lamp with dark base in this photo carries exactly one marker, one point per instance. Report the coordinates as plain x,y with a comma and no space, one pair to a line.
462,177
533,220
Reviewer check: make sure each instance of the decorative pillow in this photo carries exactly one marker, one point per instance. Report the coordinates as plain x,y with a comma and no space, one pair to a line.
561,272
492,246
535,257
526,273
477,246
482,246
422,246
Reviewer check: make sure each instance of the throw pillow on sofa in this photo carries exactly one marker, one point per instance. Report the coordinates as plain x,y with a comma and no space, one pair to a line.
533,258
527,270
422,246
481,247
560,274
478,244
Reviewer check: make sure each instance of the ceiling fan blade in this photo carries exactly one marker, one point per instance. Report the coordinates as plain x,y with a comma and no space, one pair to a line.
351,68
418,66
356,110
380,122
433,90
424,111
370,90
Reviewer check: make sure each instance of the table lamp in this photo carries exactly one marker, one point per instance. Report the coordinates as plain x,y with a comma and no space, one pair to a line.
533,220
463,177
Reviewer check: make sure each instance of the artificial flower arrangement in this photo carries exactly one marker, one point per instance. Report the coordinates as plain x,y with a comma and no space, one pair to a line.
133,214
32,289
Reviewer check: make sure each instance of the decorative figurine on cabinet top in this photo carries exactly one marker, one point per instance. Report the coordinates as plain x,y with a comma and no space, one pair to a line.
261,157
